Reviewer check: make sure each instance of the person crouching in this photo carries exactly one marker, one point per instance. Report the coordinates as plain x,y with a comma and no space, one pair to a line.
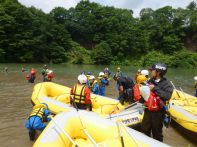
37,119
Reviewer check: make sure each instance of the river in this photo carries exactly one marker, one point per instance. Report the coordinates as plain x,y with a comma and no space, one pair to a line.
15,96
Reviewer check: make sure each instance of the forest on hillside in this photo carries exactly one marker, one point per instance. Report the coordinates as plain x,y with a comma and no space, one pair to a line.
94,34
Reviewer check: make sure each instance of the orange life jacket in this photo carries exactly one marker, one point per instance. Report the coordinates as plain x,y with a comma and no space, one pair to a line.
136,92
28,77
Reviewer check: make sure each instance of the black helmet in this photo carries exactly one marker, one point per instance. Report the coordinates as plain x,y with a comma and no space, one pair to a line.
159,67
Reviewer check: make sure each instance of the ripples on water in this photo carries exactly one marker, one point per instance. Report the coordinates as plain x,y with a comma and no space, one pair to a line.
15,96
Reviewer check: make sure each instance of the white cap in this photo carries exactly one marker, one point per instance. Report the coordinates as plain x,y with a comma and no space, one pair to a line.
101,74
145,72
145,92
91,77
195,78
82,79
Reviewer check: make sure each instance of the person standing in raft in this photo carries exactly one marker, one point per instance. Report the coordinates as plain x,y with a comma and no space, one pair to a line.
36,121
80,94
162,90
195,86
31,76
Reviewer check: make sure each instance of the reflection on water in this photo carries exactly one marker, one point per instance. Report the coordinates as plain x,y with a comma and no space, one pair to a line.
15,96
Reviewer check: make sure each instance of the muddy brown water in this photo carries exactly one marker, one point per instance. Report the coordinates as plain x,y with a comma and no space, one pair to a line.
15,96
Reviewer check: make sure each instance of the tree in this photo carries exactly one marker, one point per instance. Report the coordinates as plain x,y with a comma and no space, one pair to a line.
102,53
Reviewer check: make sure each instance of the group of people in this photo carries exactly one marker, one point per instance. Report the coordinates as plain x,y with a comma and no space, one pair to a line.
47,74
130,92
153,91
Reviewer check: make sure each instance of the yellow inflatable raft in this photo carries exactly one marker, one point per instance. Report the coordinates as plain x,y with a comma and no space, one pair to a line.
57,97
183,109
87,129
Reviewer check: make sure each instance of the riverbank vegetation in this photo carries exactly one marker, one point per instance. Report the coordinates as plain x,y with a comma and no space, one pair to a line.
94,34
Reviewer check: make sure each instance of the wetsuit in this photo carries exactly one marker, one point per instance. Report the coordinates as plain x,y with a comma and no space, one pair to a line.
153,120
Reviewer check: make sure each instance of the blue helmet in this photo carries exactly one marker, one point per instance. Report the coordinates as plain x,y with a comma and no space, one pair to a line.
88,73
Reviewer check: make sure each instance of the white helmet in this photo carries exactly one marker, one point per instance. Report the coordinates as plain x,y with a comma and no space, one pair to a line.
145,72
145,92
82,79
91,77
195,78
50,71
101,74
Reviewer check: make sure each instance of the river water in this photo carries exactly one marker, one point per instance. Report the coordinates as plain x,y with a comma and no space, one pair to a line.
15,96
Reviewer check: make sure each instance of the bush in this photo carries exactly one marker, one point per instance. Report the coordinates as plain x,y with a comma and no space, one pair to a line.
102,54
79,55
181,58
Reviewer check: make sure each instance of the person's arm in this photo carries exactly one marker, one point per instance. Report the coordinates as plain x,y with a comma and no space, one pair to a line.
105,81
47,115
95,88
87,98
165,92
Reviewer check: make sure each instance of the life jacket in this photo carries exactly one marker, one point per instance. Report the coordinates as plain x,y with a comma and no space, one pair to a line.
136,92
79,93
50,76
153,102
33,72
92,85
28,77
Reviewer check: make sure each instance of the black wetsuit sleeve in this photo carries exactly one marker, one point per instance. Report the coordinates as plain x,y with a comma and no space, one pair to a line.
163,90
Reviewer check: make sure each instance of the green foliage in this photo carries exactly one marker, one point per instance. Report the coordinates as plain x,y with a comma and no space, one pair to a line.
29,35
184,59
79,54
179,59
94,34
102,54
2,53
153,57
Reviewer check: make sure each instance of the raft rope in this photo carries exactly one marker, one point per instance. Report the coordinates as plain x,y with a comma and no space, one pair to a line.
130,134
120,134
64,132
184,95
39,93
84,130
175,89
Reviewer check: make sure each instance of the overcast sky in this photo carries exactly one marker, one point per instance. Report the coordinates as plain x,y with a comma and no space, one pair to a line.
135,5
